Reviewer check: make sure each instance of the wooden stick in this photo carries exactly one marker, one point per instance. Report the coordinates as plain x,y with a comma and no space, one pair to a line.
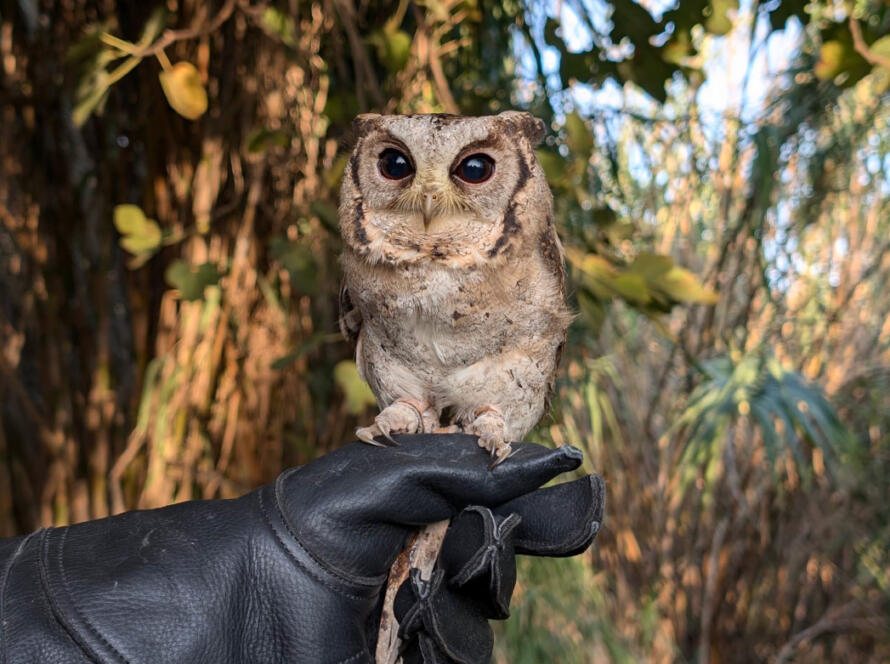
421,553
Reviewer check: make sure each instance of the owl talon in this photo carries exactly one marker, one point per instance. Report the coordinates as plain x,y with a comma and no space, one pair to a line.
501,455
401,416
489,425
369,434
384,431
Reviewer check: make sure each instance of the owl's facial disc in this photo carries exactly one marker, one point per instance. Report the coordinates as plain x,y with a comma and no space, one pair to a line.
434,187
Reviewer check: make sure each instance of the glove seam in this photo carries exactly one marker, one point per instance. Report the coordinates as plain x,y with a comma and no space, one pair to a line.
355,580
313,573
3,583
57,610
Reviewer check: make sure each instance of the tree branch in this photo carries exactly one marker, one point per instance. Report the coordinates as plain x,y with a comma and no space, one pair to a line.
171,36
862,48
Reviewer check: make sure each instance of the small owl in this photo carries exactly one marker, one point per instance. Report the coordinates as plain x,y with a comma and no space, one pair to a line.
454,284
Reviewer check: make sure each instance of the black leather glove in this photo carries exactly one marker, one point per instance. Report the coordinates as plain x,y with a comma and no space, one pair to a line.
445,619
292,572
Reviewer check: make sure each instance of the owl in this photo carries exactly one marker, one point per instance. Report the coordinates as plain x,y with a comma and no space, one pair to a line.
454,283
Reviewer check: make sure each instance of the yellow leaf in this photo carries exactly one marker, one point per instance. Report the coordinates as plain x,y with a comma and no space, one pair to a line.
184,90
683,286
719,23
831,60
140,235
631,287
128,219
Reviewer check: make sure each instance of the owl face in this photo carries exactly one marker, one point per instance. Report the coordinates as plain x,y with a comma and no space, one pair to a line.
433,185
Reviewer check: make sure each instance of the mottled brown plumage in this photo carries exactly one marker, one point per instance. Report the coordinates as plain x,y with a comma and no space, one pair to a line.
454,290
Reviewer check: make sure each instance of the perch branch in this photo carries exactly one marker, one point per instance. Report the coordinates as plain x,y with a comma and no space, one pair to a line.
421,554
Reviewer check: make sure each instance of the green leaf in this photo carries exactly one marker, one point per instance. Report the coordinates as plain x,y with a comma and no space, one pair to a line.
554,167
681,285
129,219
310,344
328,215
579,138
678,48
831,60
261,139
719,23
631,287
189,281
299,261
281,25
393,47
881,47
334,175
652,266
140,235
358,394
184,91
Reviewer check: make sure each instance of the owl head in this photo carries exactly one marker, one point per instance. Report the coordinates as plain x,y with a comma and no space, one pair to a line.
442,187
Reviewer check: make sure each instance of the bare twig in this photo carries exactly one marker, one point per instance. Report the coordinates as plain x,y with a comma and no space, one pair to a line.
835,620
428,46
51,439
862,48
363,71
709,602
171,36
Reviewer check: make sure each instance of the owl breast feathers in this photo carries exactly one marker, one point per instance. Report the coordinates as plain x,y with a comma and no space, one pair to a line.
454,286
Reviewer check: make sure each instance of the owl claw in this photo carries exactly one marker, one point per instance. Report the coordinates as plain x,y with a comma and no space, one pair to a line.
369,434
501,454
401,416
488,424
384,430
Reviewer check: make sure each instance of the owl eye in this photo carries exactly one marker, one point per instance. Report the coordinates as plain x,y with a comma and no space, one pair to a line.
394,165
475,169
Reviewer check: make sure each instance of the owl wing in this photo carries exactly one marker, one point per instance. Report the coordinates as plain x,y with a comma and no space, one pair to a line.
552,253
350,317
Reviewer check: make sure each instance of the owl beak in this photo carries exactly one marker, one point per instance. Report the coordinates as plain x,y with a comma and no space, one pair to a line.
428,201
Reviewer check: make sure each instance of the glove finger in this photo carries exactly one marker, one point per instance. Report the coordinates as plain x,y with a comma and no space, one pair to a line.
478,559
561,520
355,508
439,625
432,477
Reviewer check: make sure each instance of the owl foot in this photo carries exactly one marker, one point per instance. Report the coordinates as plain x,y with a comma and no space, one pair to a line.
401,416
489,426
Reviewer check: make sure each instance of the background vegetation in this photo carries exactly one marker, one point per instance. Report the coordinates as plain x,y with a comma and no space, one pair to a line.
168,279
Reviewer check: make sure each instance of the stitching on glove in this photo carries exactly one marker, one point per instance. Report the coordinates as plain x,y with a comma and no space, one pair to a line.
57,610
313,573
422,620
547,545
352,579
3,582
494,540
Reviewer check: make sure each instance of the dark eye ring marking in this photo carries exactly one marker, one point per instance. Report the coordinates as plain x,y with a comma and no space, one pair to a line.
394,164
475,169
